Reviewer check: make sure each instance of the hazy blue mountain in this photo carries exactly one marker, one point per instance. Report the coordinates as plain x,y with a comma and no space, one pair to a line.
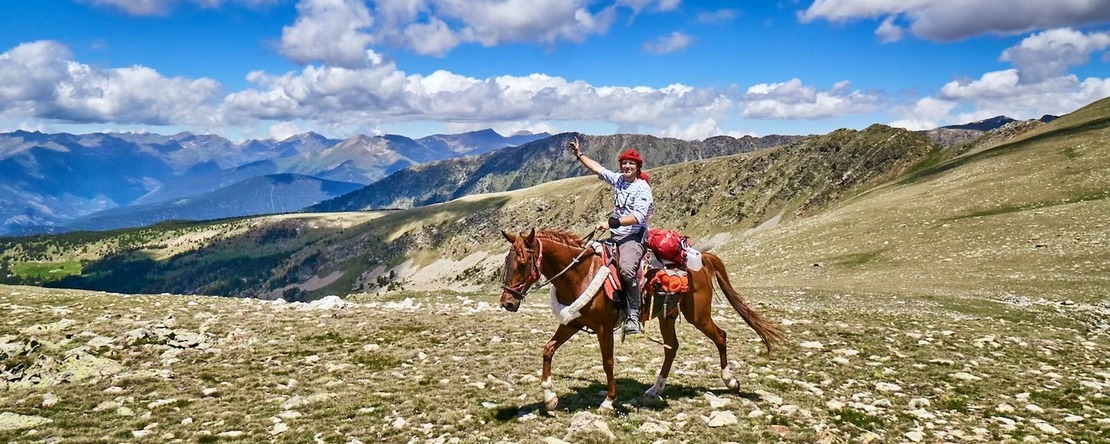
276,193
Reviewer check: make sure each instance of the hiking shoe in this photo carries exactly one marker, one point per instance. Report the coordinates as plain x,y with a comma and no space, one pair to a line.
632,326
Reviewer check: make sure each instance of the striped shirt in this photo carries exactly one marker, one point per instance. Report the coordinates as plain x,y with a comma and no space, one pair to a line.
629,198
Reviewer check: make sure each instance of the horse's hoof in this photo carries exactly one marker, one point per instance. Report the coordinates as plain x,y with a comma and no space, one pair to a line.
733,385
550,404
605,410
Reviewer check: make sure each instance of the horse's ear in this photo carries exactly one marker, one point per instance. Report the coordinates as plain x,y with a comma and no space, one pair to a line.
508,237
531,237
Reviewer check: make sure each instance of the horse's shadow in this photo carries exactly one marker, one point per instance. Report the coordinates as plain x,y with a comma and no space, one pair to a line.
588,397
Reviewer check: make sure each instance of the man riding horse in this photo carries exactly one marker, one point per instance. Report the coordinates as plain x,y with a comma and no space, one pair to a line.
632,207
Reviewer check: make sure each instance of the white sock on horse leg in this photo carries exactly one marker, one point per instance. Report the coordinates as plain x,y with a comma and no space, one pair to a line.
730,382
606,405
548,390
660,382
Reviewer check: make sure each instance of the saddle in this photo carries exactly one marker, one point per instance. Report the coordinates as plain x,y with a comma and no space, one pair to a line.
663,283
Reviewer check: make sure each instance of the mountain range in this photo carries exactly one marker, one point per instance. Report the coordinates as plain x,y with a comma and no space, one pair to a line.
64,182
50,180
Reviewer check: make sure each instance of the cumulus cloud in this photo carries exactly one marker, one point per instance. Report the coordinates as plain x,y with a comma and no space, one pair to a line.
794,100
382,93
927,113
39,79
330,31
889,32
337,31
1051,53
946,20
673,42
1038,84
163,7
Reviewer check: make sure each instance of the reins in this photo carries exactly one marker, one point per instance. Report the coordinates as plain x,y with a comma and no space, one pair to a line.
574,261
519,290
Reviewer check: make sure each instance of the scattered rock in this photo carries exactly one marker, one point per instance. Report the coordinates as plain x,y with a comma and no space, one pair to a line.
13,421
722,418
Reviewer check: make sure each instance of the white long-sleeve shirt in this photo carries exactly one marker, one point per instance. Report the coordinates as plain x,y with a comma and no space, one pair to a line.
633,198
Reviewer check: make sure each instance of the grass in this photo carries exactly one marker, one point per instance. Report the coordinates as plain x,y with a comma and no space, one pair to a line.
444,369
46,271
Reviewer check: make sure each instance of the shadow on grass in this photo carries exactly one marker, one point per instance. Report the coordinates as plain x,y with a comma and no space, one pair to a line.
589,397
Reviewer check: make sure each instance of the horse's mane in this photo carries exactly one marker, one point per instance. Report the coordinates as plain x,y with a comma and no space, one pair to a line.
562,236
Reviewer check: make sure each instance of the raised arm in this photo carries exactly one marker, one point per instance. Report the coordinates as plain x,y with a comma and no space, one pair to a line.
587,162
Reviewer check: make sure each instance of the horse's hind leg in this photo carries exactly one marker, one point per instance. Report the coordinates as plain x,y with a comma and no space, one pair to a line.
666,328
706,325
562,334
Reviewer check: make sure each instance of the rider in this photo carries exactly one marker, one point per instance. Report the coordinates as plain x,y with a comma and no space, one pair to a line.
633,204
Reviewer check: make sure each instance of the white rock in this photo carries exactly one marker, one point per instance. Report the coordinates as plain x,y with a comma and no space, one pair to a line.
964,376
917,403
1034,408
1004,408
399,423
186,421
279,428
720,418
209,391
715,402
125,411
914,436
140,433
15,421
811,344
756,413
1073,418
49,400
1048,428
653,428
231,434
887,387
834,404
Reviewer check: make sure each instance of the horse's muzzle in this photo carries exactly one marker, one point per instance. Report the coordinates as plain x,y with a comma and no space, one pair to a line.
509,302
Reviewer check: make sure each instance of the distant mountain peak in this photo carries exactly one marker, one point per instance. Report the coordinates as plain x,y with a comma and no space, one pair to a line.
983,125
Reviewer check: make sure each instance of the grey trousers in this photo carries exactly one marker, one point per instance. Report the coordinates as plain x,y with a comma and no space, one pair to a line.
630,249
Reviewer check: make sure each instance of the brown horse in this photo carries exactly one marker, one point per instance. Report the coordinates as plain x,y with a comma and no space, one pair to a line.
555,255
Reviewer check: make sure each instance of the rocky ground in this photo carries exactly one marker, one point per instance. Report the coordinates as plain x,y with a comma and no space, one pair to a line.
419,367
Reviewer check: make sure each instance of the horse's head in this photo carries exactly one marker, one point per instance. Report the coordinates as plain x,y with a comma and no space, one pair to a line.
522,268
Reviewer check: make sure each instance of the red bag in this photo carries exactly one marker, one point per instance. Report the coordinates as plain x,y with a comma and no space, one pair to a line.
668,244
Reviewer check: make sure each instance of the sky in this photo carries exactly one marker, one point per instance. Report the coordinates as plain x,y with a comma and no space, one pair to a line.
256,69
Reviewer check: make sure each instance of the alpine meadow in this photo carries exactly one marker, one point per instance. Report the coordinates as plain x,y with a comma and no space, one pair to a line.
935,286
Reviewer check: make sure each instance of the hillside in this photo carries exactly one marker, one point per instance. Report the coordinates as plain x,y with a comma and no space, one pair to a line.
275,193
527,165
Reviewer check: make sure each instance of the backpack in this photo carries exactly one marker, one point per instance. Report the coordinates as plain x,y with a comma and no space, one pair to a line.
668,245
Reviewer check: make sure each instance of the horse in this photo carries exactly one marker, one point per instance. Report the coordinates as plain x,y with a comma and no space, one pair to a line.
570,266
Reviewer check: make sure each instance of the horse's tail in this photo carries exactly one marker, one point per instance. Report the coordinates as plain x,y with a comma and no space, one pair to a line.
767,330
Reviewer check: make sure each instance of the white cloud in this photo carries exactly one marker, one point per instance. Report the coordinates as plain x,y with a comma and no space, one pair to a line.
889,32
793,100
673,42
40,80
330,31
659,5
163,7
1038,84
435,27
927,113
718,16
946,20
1051,53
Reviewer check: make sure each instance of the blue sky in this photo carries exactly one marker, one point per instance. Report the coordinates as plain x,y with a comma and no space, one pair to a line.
675,68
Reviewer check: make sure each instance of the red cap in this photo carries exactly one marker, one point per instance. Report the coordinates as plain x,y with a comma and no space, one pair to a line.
633,155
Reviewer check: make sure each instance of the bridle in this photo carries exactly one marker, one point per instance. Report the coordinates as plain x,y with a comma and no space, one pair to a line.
519,290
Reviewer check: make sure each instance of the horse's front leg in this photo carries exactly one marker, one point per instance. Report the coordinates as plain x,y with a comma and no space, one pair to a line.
605,341
562,334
